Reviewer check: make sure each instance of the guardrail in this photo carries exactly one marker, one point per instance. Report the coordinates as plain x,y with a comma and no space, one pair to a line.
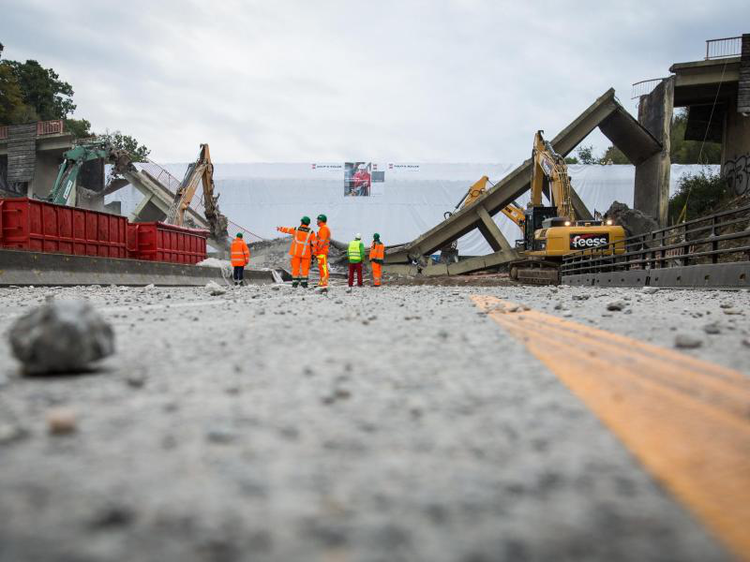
54,127
723,48
644,87
719,239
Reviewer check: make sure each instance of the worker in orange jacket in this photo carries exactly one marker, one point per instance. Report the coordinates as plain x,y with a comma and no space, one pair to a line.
240,257
321,252
301,250
377,258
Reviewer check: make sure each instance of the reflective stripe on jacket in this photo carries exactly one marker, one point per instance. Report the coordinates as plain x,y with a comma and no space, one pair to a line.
324,241
356,251
239,253
303,241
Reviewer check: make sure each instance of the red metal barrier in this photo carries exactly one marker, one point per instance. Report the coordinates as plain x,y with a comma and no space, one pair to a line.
49,127
156,241
28,224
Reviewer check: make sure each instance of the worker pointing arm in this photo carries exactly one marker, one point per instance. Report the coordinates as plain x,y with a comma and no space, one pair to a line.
301,250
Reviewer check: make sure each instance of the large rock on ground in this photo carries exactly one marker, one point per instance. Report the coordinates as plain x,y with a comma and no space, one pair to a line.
633,221
61,337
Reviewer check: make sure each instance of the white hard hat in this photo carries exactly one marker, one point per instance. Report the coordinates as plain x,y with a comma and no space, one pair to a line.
358,236
362,166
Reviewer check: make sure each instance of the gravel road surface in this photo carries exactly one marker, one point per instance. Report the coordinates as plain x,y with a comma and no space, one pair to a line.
388,424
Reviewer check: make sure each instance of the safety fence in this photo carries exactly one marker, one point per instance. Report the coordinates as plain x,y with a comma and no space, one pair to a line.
723,48
717,245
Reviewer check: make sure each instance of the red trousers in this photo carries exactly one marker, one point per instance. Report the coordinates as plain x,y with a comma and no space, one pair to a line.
358,268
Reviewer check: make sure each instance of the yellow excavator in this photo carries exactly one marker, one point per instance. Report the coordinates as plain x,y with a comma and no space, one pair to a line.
202,170
551,232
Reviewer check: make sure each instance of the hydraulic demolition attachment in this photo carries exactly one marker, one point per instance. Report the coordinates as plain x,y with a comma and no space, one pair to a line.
202,170
473,193
65,189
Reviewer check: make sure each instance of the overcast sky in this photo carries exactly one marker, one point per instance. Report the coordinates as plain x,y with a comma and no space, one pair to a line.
316,80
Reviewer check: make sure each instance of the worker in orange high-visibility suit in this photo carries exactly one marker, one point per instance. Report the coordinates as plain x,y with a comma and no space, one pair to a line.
301,250
321,252
377,257
240,257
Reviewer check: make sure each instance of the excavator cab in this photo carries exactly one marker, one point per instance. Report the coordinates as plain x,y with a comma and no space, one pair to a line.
533,221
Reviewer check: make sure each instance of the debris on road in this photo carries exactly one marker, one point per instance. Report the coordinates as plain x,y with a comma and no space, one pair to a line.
616,305
214,289
686,341
61,337
61,421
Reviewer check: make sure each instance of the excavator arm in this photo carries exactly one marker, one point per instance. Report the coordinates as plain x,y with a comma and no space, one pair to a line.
550,170
64,191
202,170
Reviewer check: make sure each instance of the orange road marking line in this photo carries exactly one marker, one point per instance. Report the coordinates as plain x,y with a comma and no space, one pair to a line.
686,420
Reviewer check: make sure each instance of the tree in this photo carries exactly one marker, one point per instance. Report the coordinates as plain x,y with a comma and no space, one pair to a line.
571,160
50,97
79,128
689,152
698,194
586,155
614,155
138,152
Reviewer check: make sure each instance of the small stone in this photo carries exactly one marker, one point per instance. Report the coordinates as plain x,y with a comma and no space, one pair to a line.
687,341
61,421
136,380
12,433
746,342
731,311
650,290
712,328
726,305
615,305
221,435
214,289
559,305
149,287
581,297
61,337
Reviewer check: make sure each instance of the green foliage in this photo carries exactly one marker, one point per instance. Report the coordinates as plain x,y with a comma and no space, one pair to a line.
79,128
614,155
50,97
689,152
586,155
138,152
571,160
13,110
702,193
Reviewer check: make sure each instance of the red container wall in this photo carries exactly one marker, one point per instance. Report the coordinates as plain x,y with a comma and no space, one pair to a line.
164,242
28,224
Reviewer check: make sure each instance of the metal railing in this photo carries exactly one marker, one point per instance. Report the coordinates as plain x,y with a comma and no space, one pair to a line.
723,48
644,87
54,127
719,238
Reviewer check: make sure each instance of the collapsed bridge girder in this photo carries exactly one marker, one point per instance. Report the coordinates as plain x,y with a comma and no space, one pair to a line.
606,113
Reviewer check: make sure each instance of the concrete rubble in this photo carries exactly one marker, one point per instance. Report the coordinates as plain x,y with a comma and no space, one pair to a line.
61,337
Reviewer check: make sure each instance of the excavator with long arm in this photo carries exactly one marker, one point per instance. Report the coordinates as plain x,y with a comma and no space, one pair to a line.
551,232
202,170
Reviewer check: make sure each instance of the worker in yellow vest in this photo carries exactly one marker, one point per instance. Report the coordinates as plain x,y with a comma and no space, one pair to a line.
377,258
356,255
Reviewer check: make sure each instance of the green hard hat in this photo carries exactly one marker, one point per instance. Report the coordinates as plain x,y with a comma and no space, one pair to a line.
239,235
305,220
322,218
376,236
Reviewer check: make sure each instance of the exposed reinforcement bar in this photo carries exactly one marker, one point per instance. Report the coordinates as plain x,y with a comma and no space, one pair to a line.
40,269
